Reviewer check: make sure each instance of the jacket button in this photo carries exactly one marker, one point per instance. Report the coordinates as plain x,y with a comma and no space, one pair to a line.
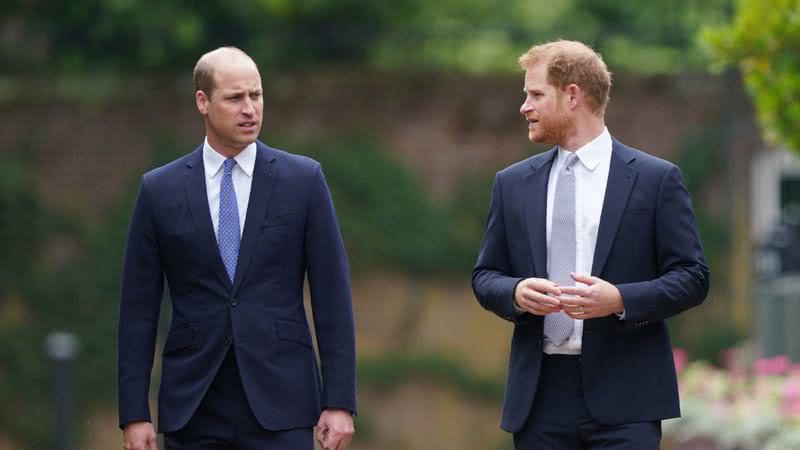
234,302
228,341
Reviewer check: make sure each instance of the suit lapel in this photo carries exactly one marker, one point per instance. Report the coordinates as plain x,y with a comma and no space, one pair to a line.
621,178
195,186
534,194
264,176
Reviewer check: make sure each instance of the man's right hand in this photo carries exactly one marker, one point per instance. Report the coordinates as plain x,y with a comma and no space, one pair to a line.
139,436
537,296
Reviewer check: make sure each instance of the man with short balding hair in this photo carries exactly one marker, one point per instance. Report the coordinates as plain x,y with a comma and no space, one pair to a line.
235,227
588,248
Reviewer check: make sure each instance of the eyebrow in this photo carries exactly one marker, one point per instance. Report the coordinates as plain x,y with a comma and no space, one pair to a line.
243,92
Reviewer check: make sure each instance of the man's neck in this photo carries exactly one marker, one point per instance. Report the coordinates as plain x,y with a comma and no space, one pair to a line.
584,133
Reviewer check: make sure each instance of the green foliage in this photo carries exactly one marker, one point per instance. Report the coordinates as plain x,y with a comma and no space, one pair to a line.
763,41
386,219
475,36
43,295
708,343
120,35
24,379
701,159
25,387
17,198
478,37
467,216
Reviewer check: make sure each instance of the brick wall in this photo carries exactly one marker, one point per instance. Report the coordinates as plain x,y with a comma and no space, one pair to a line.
445,128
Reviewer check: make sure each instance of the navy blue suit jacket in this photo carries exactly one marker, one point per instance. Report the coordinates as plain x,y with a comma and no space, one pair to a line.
647,246
290,231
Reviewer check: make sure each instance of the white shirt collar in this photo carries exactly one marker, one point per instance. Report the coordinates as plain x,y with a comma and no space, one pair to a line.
592,152
212,161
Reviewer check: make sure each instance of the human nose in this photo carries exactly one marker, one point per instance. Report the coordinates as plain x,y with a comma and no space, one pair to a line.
249,107
525,107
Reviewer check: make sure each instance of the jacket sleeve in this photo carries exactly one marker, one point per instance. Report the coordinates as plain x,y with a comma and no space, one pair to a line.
491,282
140,299
684,275
331,303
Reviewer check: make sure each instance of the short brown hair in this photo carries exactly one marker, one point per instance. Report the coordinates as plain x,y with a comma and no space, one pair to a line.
204,69
571,62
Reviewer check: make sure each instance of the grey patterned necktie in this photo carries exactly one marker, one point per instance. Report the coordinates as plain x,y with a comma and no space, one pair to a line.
228,228
558,326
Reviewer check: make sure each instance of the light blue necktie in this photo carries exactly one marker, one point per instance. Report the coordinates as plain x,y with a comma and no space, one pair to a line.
558,326
228,233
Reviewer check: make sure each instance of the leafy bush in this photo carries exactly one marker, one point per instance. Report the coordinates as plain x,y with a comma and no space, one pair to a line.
40,293
763,40
122,36
386,218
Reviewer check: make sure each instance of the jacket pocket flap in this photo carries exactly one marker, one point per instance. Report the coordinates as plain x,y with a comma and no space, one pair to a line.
292,331
282,219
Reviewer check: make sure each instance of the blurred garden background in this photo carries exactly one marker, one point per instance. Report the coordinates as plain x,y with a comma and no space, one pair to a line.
411,106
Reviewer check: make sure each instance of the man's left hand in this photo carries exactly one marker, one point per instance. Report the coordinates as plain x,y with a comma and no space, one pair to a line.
335,429
598,298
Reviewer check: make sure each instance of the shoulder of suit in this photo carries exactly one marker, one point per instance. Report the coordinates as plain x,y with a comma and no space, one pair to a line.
172,168
293,160
524,167
645,160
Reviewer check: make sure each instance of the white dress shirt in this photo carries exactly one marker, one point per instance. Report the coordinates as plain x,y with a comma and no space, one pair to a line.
242,175
591,177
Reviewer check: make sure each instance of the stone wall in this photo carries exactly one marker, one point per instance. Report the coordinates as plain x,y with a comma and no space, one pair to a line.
444,128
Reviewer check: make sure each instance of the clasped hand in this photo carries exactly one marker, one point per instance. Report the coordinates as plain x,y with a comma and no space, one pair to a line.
335,429
595,298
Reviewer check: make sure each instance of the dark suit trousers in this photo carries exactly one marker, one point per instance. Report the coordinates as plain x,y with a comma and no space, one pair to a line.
224,420
560,420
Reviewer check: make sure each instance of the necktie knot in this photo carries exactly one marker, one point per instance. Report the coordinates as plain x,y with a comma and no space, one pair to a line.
228,165
569,161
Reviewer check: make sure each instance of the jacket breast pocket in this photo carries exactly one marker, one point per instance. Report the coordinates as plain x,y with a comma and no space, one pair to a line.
283,219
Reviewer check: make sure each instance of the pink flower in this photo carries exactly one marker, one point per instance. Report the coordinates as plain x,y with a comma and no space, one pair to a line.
680,357
777,365
791,397
791,408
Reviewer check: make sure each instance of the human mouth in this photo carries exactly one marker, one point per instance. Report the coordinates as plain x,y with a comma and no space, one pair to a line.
532,123
248,125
